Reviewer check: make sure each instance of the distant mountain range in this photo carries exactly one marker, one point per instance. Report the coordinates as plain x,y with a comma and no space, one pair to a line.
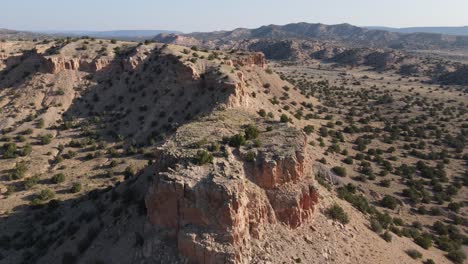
118,34
14,34
457,31
343,34
340,34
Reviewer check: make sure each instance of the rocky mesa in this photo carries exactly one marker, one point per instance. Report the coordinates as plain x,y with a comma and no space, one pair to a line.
213,212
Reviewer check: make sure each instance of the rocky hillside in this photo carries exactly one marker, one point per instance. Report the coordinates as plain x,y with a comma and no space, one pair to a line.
119,152
436,70
346,34
8,34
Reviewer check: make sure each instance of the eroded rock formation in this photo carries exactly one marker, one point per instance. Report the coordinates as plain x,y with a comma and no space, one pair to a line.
214,211
256,59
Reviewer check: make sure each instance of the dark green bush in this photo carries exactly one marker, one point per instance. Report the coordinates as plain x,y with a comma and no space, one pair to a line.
46,194
58,178
414,254
30,182
251,132
389,202
19,171
348,160
387,236
340,171
337,213
457,256
203,157
76,187
9,151
424,241
237,140
375,226
308,129
250,156
45,139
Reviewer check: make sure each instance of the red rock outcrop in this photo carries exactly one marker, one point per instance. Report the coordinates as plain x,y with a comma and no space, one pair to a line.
214,211
255,59
57,64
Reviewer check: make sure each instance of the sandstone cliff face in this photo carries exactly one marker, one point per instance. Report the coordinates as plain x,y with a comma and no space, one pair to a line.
57,64
256,59
214,211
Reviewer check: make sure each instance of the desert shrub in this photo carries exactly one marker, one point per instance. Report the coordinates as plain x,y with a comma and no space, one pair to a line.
46,194
250,156
45,139
429,261
262,113
375,226
358,201
251,132
70,154
385,219
28,131
215,147
337,213
237,140
334,148
309,129
61,91
76,187
348,160
26,150
385,183
113,163
389,202
398,221
200,143
414,254
40,123
58,178
423,241
457,256
9,151
30,182
340,171
323,132
203,157
19,171
257,143
284,118
387,236
455,207
440,228
412,194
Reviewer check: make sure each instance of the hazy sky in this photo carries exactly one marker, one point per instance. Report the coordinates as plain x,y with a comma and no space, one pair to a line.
208,15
